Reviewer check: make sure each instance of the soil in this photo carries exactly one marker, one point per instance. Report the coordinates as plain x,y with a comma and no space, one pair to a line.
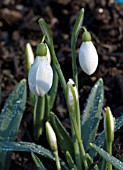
19,25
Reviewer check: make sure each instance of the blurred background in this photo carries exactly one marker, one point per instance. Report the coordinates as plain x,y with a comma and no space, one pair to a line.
19,25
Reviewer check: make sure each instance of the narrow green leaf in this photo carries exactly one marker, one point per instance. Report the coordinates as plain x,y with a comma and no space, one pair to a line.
70,161
38,162
53,90
101,138
10,118
63,137
26,147
92,113
114,161
29,147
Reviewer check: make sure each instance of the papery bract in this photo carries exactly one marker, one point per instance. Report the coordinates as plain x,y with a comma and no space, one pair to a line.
40,76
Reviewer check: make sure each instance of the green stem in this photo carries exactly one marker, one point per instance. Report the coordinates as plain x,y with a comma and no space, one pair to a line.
42,41
76,147
47,107
80,144
57,160
39,116
109,150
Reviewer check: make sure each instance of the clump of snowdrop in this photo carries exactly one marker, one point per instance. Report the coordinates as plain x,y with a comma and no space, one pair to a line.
88,57
41,74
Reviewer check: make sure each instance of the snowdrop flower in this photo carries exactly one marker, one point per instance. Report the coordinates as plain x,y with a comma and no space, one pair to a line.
72,95
88,57
41,74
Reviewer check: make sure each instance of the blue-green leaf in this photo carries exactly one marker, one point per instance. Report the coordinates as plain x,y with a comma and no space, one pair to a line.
27,147
63,137
38,162
92,113
11,116
111,159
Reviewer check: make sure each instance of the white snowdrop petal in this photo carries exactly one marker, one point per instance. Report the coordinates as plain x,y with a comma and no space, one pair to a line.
32,76
88,57
44,77
40,76
48,54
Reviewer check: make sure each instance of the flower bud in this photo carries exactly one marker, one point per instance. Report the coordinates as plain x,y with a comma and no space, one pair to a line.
40,76
88,57
29,56
72,95
51,137
109,125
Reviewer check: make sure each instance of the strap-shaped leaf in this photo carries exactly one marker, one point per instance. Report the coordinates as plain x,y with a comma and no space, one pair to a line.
38,162
91,115
27,147
63,137
12,112
101,138
114,161
11,116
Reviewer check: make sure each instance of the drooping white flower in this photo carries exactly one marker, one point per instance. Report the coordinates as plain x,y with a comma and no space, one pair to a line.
88,57
40,76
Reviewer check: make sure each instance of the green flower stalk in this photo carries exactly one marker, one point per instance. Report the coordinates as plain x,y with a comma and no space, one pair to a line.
109,132
51,138
72,99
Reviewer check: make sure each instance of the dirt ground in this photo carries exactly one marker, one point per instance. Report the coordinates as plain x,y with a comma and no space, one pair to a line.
18,25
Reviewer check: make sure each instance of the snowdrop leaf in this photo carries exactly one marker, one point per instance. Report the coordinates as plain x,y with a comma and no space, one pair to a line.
29,147
64,140
91,114
11,116
111,159
26,147
53,90
38,162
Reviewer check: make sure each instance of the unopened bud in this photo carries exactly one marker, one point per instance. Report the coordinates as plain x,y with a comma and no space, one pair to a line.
109,125
51,137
